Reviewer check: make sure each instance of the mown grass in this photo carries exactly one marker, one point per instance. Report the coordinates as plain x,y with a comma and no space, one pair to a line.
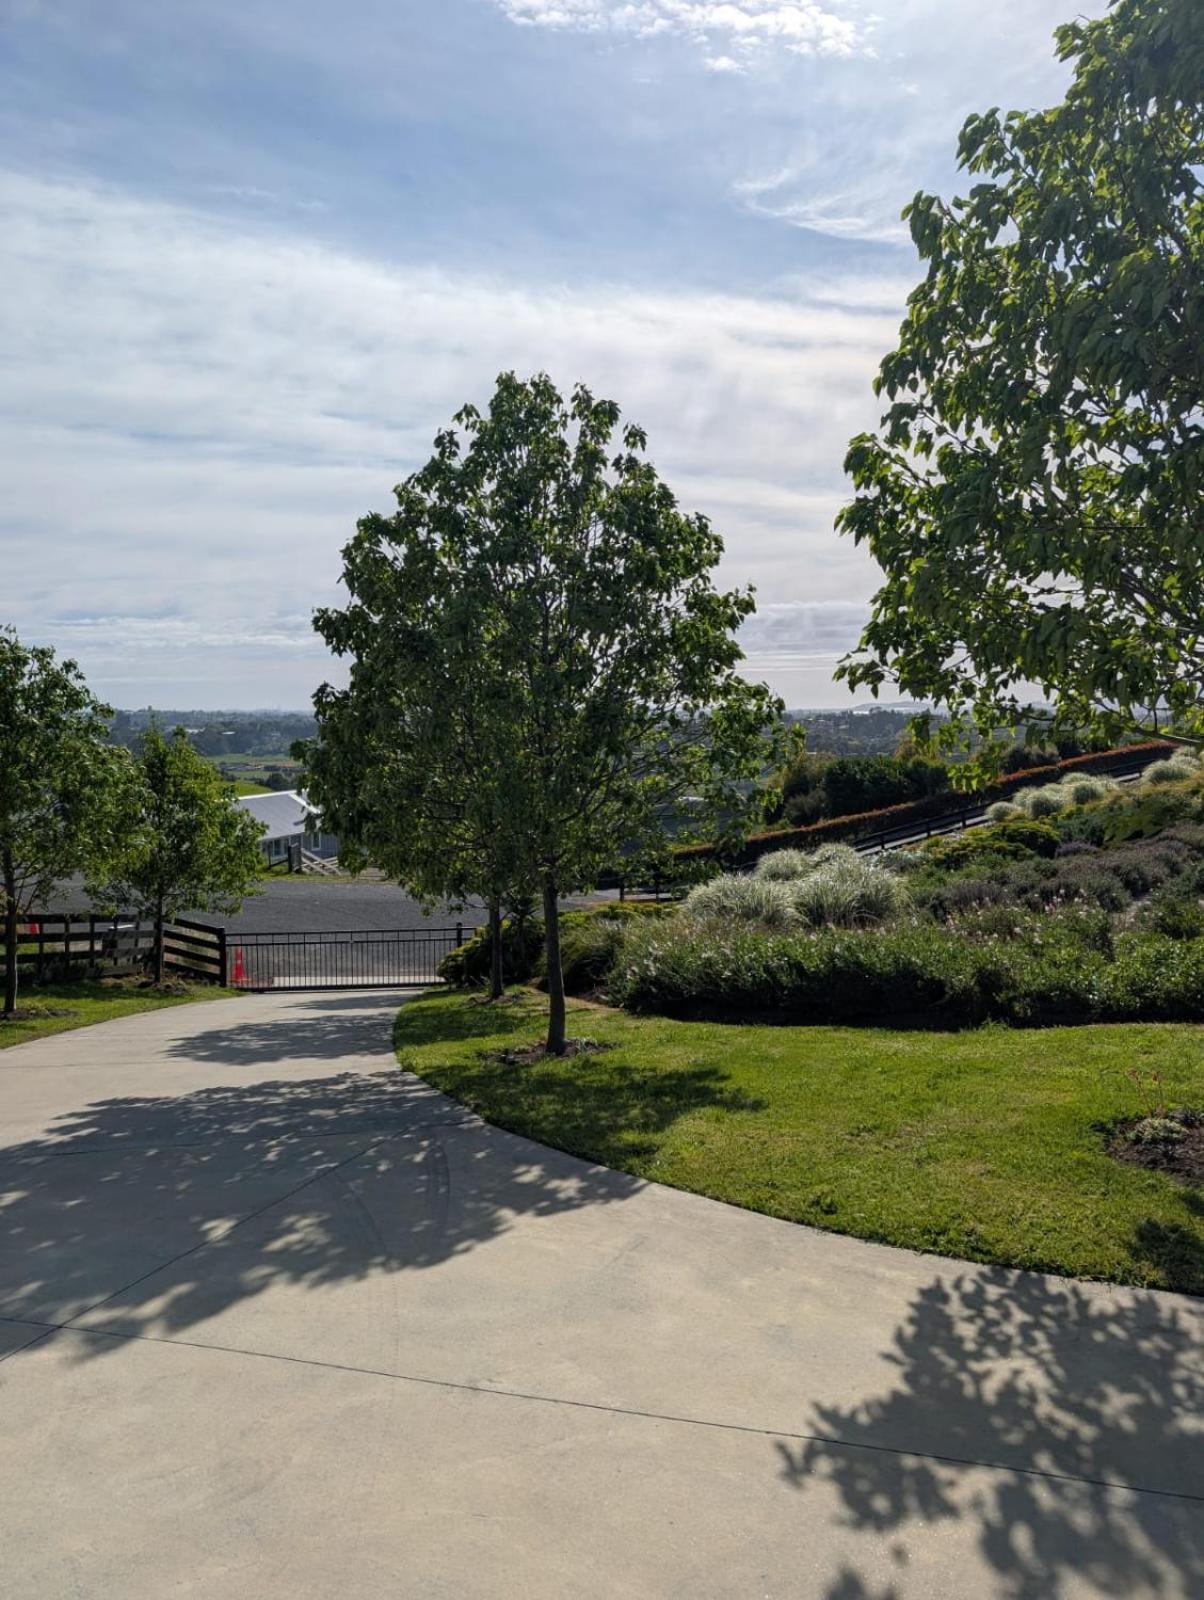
57,1008
987,1144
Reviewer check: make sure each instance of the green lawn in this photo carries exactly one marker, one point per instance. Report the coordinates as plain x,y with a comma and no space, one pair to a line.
63,1006
986,1144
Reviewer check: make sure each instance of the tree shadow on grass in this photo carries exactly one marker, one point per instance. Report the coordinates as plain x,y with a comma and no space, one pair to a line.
1063,1392
1176,1249
591,1106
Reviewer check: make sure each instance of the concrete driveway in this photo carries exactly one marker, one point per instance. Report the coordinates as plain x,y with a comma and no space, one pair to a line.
280,1324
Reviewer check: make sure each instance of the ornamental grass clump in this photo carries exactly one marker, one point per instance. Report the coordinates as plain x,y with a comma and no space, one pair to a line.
745,901
1048,801
846,894
1083,790
783,866
1183,764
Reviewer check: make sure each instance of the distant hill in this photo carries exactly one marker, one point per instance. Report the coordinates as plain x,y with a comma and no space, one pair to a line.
221,733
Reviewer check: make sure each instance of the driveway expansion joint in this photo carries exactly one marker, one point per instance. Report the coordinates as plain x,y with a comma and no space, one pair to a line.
828,1441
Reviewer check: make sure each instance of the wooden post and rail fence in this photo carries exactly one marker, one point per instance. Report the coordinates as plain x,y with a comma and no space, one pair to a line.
53,947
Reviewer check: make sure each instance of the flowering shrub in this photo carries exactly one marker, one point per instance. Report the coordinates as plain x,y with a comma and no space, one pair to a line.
1057,969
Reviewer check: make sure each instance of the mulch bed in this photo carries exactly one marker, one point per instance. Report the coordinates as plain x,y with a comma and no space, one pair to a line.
1183,1159
528,1055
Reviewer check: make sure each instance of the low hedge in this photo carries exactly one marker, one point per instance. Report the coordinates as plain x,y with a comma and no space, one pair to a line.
468,966
589,941
920,974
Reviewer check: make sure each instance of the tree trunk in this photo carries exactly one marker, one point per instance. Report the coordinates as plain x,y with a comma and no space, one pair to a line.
497,981
551,926
160,962
10,938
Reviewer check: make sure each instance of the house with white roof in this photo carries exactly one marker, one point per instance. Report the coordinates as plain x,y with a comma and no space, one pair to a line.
290,827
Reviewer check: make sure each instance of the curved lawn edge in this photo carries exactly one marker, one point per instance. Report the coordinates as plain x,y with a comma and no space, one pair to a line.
986,1146
88,1004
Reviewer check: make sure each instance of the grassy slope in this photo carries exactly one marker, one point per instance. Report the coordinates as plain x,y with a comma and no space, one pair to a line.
75,1005
983,1144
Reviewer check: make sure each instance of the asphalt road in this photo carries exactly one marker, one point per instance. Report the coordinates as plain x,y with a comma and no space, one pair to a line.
332,905
304,904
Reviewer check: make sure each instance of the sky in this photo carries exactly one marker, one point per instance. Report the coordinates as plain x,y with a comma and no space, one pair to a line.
256,253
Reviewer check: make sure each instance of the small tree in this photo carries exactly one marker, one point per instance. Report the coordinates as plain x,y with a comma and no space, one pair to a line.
185,843
604,659
409,765
59,784
1035,493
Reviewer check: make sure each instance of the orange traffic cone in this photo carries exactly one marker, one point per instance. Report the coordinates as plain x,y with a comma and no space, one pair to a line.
240,972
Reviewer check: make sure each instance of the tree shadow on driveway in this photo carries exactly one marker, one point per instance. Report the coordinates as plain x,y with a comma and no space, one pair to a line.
150,1214
1067,1390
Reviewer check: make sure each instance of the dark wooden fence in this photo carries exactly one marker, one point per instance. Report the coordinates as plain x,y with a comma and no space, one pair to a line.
51,948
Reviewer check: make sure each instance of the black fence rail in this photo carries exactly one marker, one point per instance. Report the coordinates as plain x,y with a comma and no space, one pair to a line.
971,816
369,959
52,947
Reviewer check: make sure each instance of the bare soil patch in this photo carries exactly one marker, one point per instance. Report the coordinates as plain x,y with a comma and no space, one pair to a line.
1183,1159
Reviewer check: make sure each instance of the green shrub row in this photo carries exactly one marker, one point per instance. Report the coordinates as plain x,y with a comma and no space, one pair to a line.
589,941
920,973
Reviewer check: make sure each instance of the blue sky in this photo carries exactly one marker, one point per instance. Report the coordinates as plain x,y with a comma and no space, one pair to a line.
256,253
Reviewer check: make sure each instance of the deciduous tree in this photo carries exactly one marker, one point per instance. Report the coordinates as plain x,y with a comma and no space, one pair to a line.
1035,494
59,784
600,685
184,844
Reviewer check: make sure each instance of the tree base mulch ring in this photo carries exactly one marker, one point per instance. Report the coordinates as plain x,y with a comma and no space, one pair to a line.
1182,1159
502,1000
528,1055
36,1013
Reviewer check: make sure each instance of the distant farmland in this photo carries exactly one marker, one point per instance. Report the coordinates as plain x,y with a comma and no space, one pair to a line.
250,774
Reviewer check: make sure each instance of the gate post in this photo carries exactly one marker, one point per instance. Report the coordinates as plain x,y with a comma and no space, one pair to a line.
459,934
223,960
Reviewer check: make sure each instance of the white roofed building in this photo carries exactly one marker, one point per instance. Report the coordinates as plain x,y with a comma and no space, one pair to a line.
289,826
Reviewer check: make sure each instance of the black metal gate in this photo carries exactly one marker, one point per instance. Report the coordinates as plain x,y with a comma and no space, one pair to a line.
370,959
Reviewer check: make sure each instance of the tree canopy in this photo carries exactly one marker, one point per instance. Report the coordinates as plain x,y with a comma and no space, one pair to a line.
1035,493
538,649
60,783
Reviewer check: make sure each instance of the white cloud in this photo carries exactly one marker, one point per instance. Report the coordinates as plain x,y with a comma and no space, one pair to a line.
204,410
723,64
802,27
